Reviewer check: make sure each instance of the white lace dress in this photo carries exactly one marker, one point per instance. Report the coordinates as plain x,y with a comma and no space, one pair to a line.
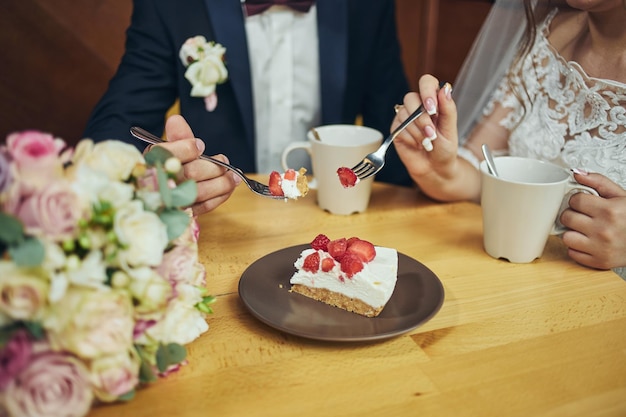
571,119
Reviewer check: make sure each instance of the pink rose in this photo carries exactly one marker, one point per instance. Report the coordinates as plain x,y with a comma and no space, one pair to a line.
14,357
36,156
180,265
191,235
53,384
53,211
194,228
141,326
148,181
31,147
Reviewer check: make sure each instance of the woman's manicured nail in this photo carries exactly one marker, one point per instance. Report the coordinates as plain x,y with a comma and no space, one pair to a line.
429,104
430,133
447,90
427,144
579,171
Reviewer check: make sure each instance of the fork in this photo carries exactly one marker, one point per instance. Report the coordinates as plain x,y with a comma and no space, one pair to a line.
254,186
373,162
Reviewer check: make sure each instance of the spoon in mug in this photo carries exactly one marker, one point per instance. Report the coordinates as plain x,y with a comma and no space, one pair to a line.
316,134
491,165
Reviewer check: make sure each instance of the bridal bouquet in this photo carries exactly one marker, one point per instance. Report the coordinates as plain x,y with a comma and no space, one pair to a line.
100,283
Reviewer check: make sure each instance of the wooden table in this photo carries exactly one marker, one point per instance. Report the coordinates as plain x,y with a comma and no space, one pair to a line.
541,339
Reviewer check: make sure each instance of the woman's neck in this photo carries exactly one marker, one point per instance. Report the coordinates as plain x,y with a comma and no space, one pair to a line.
596,40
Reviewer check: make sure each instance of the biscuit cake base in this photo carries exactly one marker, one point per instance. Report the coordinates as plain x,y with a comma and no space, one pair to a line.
336,299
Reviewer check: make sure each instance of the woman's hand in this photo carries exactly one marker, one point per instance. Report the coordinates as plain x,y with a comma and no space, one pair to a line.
215,184
428,146
597,235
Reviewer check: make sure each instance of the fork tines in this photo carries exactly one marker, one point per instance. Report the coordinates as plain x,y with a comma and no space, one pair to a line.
364,169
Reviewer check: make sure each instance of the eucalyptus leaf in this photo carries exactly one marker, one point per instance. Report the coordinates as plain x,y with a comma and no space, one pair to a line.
175,221
164,189
146,374
29,252
35,329
11,229
184,194
170,354
128,396
157,155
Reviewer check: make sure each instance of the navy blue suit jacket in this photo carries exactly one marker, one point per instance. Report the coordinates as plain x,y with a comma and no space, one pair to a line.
361,74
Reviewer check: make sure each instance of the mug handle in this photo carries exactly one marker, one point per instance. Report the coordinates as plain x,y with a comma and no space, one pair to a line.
292,147
572,188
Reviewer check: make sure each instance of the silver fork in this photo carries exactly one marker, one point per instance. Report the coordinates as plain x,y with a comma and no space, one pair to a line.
255,186
373,162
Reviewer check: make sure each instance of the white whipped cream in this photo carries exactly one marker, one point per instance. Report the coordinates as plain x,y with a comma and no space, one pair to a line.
290,187
373,285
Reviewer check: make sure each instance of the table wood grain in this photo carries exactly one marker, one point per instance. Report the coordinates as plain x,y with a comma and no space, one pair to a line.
541,339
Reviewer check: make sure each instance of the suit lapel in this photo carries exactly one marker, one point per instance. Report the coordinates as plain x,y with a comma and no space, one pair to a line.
332,27
226,17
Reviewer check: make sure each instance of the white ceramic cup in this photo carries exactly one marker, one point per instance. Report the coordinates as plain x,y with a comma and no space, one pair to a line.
340,146
521,206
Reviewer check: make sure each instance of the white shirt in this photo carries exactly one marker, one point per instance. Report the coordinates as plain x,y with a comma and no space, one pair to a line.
284,66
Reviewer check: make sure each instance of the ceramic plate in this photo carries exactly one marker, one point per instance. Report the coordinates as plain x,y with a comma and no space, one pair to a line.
264,289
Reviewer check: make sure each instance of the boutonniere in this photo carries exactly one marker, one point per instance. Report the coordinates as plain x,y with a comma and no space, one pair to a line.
205,68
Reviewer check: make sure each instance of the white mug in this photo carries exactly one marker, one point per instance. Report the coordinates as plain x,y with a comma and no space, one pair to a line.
521,206
340,146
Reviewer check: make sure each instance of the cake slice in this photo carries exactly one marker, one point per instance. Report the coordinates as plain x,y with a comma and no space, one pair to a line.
290,184
351,274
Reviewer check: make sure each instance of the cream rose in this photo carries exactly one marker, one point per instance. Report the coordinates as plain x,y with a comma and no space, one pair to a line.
23,291
91,323
142,233
115,375
53,384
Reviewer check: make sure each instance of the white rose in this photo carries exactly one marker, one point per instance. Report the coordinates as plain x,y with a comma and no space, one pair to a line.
90,272
114,158
205,74
116,193
182,323
94,186
149,289
142,233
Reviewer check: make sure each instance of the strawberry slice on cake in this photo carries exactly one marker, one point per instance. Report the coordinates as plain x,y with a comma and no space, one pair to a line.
290,184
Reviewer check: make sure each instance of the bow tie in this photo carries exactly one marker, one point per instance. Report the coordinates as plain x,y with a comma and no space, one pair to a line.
259,6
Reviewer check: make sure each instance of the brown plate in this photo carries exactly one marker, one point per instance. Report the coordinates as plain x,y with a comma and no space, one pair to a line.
264,289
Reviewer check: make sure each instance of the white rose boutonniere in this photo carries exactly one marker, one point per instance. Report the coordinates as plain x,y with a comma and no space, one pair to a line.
205,68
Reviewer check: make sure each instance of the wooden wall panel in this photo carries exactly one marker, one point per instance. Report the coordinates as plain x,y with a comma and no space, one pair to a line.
57,59
436,35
